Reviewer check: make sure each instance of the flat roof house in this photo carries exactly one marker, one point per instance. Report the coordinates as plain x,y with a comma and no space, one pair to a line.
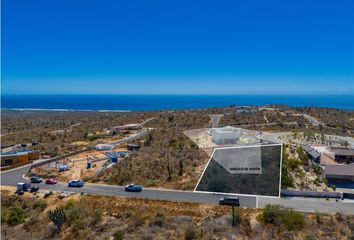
343,154
17,157
339,172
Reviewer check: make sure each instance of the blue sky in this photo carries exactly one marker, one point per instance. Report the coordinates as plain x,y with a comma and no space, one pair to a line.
177,47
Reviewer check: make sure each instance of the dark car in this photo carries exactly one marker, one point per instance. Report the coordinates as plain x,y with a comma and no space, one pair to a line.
34,189
20,192
76,183
36,179
227,200
133,188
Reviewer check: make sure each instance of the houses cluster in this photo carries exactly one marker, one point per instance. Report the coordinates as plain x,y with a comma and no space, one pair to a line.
20,156
337,163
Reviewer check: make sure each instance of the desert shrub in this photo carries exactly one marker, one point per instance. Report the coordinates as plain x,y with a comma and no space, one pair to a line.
271,214
317,169
237,218
319,218
293,220
118,235
124,176
310,237
339,216
5,212
31,223
302,155
16,216
97,216
190,233
293,163
152,182
317,181
280,216
77,216
136,221
159,219
40,204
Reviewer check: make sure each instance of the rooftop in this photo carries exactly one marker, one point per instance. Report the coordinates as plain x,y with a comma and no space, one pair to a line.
343,151
339,169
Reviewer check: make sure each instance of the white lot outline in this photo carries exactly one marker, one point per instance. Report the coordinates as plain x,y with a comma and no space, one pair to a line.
241,194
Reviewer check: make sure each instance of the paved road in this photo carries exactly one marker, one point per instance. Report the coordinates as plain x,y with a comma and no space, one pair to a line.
314,122
215,119
12,177
310,204
131,138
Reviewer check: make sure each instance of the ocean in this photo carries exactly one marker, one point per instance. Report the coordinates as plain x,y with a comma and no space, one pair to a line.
164,102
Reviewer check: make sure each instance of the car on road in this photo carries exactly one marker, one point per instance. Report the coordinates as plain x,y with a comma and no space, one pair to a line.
133,188
76,183
36,179
50,181
228,200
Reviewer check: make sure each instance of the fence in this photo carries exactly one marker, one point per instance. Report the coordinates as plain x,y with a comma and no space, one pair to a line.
292,193
54,159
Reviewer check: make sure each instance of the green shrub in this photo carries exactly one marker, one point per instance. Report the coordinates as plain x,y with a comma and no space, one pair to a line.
77,216
16,216
280,216
302,155
152,182
5,212
123,177
237,218
41,204
317,169
97,216
272,214
293,220
118,235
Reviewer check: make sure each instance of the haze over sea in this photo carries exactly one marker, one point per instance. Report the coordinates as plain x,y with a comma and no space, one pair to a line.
163,102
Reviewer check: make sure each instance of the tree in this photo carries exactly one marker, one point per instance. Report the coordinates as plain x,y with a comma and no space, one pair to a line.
169,166
57,217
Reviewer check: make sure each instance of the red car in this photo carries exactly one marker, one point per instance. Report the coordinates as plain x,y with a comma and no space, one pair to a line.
50,181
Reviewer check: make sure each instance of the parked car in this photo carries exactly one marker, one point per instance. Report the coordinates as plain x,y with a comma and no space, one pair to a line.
63,168
20,192
228,200
34,189
50,181
36,179
134,188
23,186
76,183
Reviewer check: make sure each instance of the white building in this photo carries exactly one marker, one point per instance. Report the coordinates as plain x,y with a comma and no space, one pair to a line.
226,135
104,147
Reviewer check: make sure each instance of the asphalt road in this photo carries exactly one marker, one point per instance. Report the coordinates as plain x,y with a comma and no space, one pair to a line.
12,177
131,138
215,119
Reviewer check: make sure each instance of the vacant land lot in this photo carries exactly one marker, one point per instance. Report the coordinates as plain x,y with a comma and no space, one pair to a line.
96,217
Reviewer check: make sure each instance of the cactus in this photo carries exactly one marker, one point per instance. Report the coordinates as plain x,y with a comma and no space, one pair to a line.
57,217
